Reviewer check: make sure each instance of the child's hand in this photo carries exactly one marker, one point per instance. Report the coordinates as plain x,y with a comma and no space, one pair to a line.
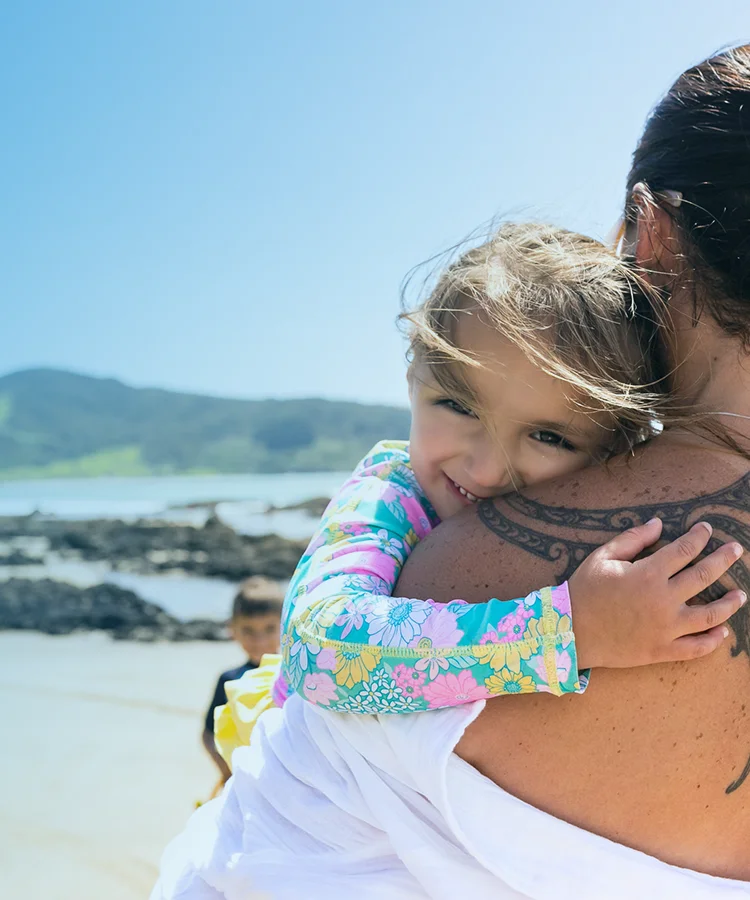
634,613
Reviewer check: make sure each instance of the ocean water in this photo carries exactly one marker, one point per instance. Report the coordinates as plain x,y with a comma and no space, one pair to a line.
241,501
169,496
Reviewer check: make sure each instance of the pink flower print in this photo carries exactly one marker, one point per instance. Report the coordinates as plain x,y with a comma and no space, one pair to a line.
409,680
280,690
512,626
319,688
454,690
310,586
355,528
390,494
327,659
563,664
537,664
350,618
433,664
439,630
561,599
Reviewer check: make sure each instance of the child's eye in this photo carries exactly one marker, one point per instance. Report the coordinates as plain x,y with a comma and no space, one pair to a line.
456,407
554,439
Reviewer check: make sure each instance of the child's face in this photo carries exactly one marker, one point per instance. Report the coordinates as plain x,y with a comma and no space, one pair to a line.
531,430
256,634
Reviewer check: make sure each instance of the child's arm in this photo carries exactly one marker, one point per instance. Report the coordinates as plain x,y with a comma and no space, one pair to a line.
349,646
208,739
209,742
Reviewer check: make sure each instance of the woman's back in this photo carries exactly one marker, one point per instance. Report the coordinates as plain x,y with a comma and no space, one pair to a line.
329,805
655,758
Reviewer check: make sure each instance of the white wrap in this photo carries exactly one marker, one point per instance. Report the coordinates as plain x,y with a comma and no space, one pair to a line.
337,807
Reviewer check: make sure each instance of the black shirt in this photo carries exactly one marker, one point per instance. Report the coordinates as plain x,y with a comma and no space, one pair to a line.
220,694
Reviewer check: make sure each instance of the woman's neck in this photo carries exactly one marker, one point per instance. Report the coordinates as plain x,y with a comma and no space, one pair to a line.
714,376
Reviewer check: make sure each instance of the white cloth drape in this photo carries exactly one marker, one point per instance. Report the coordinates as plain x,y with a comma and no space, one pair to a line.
336,807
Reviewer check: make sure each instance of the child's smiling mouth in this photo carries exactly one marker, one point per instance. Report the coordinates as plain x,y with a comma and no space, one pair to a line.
466,495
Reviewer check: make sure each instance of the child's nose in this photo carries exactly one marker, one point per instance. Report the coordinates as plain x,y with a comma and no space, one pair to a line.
492,472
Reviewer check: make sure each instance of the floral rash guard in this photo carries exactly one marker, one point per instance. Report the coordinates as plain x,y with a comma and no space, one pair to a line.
349,646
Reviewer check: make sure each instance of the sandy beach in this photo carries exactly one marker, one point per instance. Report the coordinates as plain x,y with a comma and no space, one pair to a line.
101,760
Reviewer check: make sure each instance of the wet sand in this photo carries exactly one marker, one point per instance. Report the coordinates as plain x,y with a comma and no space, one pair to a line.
101,760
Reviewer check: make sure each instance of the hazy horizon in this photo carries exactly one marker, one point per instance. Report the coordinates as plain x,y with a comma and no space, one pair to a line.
197,393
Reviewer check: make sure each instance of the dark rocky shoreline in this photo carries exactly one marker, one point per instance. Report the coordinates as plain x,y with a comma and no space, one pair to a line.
144,547
151,547
55,607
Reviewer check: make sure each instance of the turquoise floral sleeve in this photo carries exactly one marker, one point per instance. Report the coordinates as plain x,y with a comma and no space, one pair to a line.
350,646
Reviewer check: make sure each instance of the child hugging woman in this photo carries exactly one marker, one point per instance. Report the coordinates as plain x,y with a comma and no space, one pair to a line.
527,362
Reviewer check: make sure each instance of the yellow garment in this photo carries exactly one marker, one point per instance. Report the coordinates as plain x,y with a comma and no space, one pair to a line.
247,698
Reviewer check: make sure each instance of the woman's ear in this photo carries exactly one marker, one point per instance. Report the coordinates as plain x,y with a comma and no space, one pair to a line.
657,246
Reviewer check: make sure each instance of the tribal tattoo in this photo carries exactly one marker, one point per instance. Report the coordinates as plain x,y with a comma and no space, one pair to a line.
540,530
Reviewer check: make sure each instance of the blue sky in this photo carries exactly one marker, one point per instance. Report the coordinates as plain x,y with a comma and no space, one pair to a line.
224,197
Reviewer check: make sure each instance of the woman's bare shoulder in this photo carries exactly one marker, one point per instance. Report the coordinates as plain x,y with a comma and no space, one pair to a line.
668,471
517,542
645,756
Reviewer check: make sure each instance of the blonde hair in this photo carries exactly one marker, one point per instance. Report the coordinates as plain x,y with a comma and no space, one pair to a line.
569,303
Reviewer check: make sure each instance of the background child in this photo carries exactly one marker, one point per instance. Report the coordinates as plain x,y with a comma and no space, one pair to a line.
254,625
527,362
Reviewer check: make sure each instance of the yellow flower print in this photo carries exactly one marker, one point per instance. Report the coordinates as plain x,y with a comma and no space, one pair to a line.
345,505
507,682
354,666
334,534
410,538
502,654
558,624
323,613
301,616
490,655
286,645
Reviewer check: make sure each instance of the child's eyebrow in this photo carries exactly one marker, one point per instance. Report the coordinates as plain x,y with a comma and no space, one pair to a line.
564,427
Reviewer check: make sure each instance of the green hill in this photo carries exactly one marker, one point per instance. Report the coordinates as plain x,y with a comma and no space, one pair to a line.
57,424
